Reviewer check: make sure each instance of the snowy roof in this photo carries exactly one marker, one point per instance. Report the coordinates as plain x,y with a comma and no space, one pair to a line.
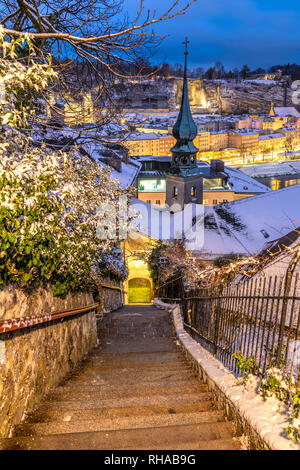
240,227
245,131
290,129
276,135
272,169
245,226
224,131
242,183
128,173
286,111
144,136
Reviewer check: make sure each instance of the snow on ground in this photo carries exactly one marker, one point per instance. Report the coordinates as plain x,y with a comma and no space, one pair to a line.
260,82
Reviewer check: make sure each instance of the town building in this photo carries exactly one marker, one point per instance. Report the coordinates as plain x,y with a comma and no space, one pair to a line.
244,139
220,183
217,141
271,142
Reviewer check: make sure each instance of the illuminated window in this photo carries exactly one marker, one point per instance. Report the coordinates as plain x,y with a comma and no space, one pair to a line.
193,191
152,185
175,191
212,183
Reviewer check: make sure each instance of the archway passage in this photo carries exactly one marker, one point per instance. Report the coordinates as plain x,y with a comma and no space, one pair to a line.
139,291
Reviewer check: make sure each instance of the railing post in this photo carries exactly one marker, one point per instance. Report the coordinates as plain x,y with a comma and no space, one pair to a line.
287,288
217,319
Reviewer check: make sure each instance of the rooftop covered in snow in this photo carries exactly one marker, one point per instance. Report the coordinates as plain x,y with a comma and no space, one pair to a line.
284,111
242,227
272,169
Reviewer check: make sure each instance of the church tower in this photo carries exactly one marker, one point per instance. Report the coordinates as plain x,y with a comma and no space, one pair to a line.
184,182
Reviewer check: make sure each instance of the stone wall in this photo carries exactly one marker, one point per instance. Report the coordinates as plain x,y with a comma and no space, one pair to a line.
110,299
35,359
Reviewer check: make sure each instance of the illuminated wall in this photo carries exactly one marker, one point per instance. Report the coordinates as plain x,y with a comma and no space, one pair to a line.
197,93
138,287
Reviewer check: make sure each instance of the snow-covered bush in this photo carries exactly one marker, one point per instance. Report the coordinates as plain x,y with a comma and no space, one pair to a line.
48,200
274,383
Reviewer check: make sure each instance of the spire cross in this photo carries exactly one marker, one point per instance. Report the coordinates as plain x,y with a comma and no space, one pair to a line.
186,42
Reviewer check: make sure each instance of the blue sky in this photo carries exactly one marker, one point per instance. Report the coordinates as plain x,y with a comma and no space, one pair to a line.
236,32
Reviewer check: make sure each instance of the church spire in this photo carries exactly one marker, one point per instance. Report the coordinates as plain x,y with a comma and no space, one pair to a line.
185,129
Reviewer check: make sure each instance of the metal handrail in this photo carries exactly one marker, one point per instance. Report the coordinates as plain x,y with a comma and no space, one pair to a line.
169,282
14,324
107,286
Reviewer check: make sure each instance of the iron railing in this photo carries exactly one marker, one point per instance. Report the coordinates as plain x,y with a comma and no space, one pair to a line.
259,317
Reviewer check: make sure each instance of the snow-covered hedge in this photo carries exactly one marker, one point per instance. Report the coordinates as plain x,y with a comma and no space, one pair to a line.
48,200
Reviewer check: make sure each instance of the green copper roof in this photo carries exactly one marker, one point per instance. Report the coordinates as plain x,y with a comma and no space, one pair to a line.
185,129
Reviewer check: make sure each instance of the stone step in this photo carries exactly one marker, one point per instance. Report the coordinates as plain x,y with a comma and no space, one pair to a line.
66,391
142,369
97,402
146,438
133,385
116,327
98,351
153,345
124,378
146,331
219,444
101,365
130,422
116,413
133,358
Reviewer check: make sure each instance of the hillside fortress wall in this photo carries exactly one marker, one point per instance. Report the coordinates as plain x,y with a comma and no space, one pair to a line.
226,96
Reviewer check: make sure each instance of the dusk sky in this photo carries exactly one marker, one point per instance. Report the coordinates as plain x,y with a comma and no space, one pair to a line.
236,32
